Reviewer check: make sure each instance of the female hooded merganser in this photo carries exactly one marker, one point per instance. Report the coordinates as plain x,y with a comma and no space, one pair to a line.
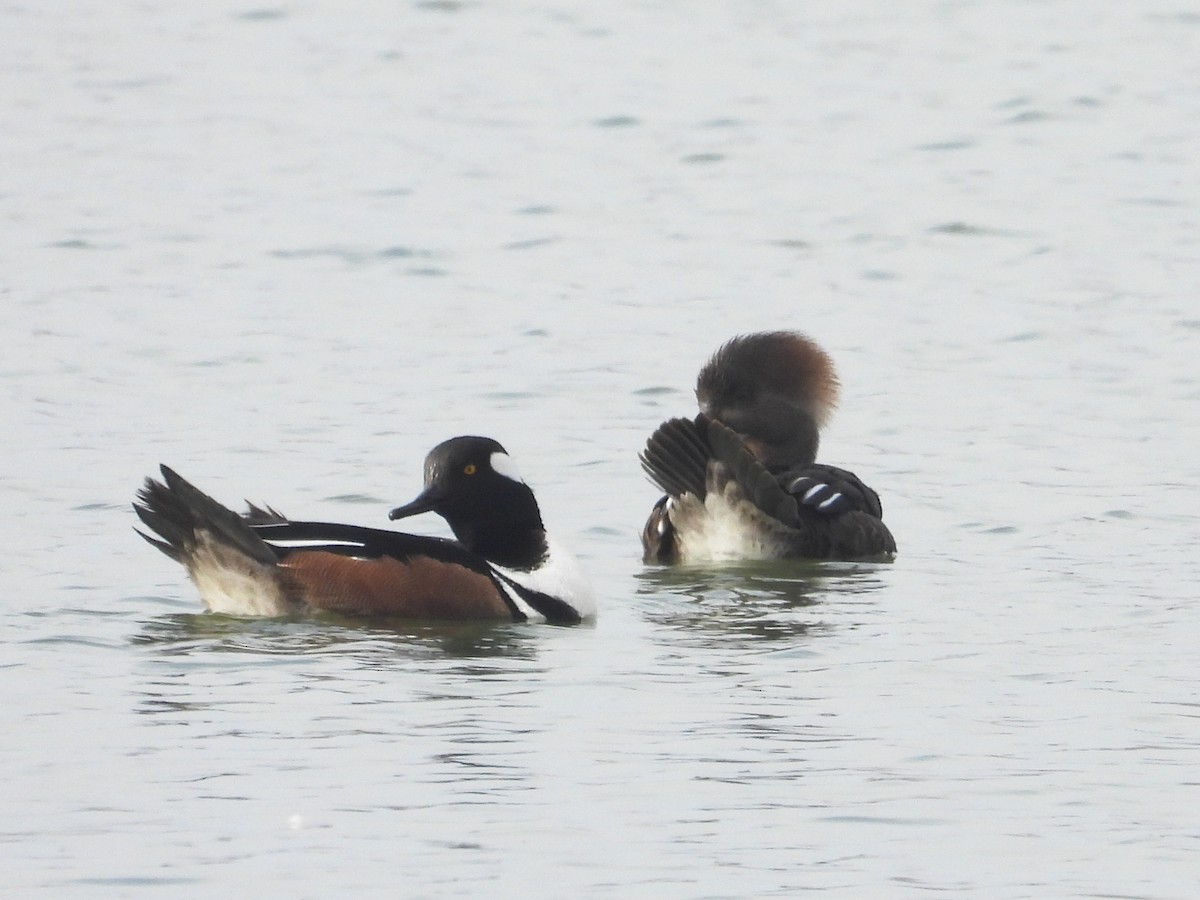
501,567
741,479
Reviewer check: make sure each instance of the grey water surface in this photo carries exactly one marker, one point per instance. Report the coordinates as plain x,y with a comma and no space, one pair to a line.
286,248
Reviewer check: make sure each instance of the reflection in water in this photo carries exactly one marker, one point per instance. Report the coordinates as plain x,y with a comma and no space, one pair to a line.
335,670
753,601
371,643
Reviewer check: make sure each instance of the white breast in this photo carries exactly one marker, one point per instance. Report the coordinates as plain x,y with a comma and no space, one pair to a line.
559,576
725,527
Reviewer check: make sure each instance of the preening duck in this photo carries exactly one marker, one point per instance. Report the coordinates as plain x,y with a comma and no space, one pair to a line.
741,479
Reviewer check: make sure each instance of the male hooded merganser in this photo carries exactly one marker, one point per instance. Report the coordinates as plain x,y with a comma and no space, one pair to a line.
502,566
741,479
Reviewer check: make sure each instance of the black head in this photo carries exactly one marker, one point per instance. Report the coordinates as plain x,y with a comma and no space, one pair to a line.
471,482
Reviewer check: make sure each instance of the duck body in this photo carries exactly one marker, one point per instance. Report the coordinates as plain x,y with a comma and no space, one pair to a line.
501,567
741,480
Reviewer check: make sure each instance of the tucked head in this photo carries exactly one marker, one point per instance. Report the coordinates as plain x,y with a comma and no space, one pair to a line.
775,388
780,362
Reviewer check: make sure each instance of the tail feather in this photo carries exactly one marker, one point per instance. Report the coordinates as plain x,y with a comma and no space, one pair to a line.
263,515
161,512
176,510
859,535
161,545
234,569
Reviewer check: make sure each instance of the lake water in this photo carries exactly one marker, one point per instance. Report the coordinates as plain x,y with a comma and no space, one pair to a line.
288,248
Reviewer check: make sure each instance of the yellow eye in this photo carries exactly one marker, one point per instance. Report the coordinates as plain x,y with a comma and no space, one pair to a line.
469,469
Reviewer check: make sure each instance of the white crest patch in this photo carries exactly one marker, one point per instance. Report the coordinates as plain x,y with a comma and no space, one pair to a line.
502,464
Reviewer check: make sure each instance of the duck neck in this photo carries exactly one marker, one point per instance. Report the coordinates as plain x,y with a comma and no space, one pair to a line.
513,544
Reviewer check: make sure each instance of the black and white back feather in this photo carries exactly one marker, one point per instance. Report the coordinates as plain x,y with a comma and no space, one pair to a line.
707,472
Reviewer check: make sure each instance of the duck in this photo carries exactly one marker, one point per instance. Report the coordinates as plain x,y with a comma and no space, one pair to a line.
740,479
501,565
